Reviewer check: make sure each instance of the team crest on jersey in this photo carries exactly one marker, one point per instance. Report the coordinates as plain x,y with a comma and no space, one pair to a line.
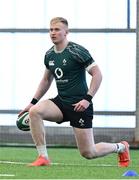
64,62
81,121
51,63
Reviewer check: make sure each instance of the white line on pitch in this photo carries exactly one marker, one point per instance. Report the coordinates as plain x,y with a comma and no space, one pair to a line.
63,164
7,175
11,162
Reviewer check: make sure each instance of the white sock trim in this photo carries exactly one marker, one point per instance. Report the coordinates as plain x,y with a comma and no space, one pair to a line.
42,150
120,147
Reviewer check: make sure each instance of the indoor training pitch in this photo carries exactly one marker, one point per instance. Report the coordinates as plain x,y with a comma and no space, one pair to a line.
66,164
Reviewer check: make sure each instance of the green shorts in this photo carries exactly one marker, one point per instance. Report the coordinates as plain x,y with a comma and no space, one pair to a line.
76,119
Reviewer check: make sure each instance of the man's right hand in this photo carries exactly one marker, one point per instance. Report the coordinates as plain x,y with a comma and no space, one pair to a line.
25,110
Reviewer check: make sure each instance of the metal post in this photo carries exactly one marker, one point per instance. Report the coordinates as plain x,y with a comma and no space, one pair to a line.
137,75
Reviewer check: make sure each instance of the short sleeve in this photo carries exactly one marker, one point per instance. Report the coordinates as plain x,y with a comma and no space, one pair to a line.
46,62
81,54
47,57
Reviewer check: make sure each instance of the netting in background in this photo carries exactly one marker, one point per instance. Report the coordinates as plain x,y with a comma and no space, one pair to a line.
107,128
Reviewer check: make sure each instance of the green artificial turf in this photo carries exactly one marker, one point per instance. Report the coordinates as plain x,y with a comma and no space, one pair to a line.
67,164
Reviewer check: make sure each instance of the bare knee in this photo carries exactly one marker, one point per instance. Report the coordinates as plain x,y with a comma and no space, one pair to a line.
89,154
33,112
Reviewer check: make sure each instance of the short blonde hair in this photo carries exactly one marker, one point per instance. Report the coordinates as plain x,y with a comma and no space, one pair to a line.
59,19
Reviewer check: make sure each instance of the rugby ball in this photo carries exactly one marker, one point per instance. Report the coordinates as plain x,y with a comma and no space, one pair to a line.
23,122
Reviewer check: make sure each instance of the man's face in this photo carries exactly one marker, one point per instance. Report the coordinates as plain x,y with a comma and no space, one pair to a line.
58,32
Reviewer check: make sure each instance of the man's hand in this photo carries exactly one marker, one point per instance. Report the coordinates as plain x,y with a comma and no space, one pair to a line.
81,105
25,110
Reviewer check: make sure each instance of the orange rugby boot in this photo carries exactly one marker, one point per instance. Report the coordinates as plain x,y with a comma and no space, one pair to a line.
124,157
40,161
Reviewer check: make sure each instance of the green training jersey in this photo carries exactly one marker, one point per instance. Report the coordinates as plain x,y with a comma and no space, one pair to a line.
68,68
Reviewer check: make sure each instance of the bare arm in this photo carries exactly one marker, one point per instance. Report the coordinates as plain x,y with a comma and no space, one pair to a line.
44,85
95,81
41,90
94,86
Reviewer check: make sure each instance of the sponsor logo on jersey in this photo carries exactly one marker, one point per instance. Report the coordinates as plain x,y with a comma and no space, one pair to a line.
51,63
58,73
62,81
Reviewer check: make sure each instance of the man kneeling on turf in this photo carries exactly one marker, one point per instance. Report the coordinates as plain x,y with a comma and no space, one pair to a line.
67,63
